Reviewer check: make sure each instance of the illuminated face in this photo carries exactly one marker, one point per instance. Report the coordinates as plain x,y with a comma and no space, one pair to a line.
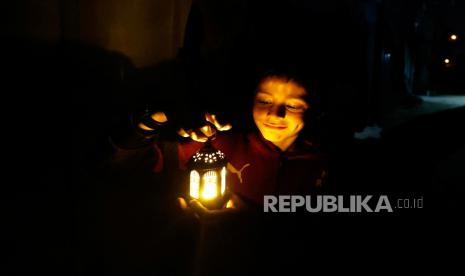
278,110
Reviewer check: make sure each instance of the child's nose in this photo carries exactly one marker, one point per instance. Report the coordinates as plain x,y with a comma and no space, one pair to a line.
278,111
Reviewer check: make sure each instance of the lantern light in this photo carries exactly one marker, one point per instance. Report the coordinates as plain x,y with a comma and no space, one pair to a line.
453,37
207,181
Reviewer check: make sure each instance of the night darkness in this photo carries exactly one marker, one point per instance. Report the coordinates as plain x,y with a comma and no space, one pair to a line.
77,71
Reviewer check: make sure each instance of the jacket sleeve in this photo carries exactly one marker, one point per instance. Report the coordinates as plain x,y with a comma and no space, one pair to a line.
133,147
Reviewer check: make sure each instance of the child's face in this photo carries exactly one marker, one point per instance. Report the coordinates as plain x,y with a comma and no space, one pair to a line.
279,109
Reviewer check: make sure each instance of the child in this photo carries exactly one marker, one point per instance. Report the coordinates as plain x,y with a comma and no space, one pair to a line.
273,158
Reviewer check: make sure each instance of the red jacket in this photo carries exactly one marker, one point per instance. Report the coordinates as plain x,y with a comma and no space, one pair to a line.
257,167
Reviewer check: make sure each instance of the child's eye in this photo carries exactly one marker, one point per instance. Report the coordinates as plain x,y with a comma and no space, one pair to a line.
295,108
264,102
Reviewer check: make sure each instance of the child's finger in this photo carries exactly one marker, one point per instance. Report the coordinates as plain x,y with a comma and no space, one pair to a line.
198,137
144,127
182,203
224,127
159,117
208,130
212,119
184,133
198,208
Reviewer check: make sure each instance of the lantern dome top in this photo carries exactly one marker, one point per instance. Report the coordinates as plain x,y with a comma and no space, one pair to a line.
208,157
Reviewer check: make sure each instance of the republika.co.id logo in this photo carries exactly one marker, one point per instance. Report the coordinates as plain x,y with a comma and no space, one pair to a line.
340,203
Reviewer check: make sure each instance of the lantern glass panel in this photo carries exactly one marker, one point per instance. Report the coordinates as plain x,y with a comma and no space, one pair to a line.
195,184
209,185
223,180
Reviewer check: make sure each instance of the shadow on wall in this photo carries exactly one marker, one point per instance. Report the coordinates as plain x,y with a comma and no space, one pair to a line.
66,100
70,96
59,105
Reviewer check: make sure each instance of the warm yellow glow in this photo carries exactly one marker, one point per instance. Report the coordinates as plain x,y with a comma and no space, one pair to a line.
209,185
446,61
223,180
453,37
194,185
230,204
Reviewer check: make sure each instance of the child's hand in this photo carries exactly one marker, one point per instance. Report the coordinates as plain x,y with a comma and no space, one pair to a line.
149,123
196,208
201,134
206,131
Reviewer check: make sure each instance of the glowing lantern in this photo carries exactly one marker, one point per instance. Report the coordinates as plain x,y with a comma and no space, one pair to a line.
207,177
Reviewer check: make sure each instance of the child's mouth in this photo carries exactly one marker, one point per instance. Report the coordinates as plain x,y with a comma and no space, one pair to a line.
273,126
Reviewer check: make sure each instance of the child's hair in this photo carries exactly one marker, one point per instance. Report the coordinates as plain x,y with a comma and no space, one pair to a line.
291,73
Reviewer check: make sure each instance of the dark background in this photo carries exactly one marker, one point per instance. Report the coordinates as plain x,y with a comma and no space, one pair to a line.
76,70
